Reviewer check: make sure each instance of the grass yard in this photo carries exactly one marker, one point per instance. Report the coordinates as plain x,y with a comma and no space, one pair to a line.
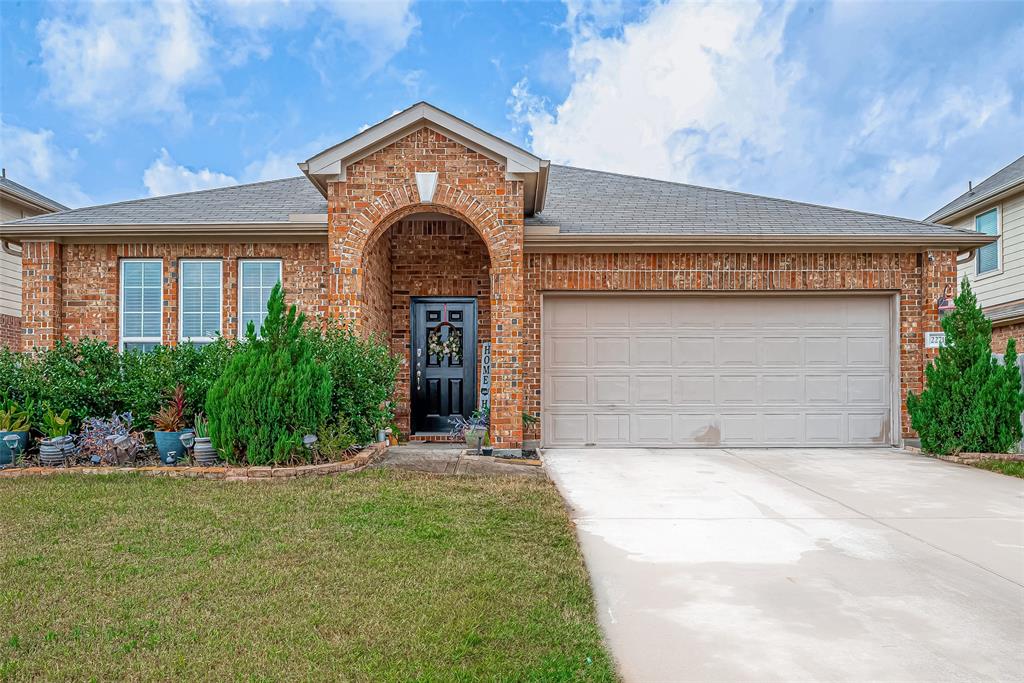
1014,468
378,576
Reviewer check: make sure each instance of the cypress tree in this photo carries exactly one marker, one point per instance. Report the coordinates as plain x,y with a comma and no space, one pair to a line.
971,402
271,394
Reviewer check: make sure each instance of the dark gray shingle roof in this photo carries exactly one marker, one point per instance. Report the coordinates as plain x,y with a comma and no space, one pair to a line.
578,201
595,202
1004,177
270,201
30,194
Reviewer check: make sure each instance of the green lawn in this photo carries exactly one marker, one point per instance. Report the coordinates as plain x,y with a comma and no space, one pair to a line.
378,576
1014,468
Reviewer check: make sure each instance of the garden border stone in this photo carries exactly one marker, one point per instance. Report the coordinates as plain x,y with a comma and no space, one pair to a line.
966,458
369,455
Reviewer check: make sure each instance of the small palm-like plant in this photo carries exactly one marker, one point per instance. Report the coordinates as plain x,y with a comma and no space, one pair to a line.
171,418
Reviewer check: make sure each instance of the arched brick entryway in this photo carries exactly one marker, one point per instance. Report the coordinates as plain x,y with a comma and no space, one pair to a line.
370,202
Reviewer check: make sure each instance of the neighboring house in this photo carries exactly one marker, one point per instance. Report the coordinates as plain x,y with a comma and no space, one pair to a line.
16,201
623,311
995,206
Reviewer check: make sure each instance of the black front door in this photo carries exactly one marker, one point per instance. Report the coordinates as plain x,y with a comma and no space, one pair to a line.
443,362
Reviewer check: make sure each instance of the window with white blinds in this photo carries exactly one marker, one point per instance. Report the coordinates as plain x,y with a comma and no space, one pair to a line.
256,279
200,297
141,304
988,256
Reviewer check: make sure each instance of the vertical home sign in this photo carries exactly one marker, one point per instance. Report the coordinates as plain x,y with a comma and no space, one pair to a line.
485,376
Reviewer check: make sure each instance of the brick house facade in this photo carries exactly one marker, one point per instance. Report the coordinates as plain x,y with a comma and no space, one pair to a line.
426,206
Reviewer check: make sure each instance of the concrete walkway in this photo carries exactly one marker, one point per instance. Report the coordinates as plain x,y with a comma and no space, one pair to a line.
441,458
787,565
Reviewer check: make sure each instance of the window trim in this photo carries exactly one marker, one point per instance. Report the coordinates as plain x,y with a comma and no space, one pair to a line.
121,339
241,264
998,208
181,301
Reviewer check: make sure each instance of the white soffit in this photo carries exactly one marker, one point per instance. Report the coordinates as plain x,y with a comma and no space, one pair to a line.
333,163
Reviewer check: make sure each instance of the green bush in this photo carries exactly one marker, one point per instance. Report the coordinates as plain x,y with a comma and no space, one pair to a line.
90,378
272,392
363,373
971,403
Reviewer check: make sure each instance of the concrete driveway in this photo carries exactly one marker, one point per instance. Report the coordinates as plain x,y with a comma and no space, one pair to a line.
792,564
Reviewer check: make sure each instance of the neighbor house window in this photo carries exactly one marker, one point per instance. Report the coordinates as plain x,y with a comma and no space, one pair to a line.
256,281
988,256
200,301
141,304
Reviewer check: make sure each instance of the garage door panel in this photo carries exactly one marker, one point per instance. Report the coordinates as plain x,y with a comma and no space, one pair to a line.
869,427
694,390
565,352
736,351
653,389
826,388
610,389
694,351
610,352
871,351
782,351
651,351
824,351
716,371
611,429
568,390
736,389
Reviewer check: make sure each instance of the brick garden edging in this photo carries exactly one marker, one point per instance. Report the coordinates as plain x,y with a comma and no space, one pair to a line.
966,458
359,461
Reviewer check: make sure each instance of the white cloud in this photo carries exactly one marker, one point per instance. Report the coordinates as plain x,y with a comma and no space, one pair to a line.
739,96
165,176
33,159
381,28
121,60
687,76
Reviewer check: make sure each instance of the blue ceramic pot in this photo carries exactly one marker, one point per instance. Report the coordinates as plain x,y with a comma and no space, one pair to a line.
167,442
6,457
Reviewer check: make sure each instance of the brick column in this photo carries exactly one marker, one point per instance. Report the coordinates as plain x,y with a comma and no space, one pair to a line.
507,311
42,294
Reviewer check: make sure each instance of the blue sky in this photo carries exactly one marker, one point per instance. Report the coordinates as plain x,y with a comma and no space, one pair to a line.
880,107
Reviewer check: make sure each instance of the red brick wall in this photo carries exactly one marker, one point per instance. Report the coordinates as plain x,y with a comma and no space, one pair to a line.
10,332
1003,333
41,294
902,274
433,258
90,275
378,292
380,190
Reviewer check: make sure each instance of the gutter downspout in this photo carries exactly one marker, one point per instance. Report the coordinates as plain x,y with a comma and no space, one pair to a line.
7,249
970,257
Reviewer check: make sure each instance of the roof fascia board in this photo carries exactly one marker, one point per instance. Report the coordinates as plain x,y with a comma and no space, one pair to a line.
69,233
386,132
995,194
569,242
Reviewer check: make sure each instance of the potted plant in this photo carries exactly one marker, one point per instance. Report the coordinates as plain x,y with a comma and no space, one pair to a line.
203,451
487,449
14,421
110,441
169,421
58,444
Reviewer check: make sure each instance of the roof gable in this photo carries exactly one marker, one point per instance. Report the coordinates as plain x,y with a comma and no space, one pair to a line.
1006,178
332,163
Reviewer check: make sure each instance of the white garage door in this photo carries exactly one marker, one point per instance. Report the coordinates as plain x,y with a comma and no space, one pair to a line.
716,371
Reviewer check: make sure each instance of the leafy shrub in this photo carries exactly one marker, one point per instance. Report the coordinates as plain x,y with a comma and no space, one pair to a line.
90,378
334,440
272,392
971,402
363,372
